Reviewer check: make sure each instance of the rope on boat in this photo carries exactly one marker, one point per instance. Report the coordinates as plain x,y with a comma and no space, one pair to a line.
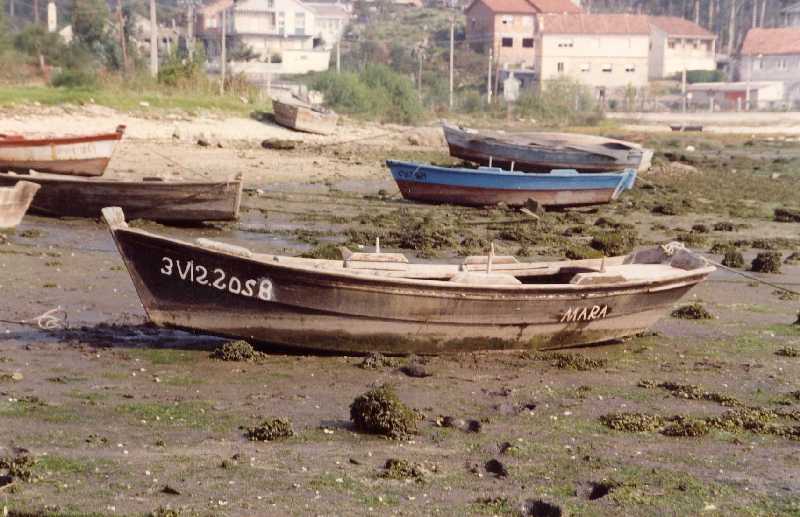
54,319
672,247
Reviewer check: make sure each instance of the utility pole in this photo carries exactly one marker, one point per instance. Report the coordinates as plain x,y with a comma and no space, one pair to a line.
122,43
224,52
419,70
190,29
153,40
683,88
489,80
452,44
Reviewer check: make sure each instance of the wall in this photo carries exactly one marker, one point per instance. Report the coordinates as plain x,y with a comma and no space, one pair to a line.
684,55
294,62
784,68
517,28
479,29
578,52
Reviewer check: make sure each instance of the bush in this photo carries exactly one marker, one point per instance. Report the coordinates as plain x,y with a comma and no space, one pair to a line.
377,91
77,78
562,102
704,76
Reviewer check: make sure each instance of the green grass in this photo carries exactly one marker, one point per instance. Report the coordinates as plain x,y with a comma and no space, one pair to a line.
163,355
195,415
63,465
126,100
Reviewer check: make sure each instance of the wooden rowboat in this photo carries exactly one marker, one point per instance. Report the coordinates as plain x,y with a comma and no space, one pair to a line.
14,202
542,152
86,155
378,302
489,186
686,127
153,199
305,117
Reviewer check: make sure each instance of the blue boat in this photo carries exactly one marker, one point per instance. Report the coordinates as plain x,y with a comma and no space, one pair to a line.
489,185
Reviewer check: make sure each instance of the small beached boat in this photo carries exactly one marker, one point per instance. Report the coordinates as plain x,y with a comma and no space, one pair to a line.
84,155
305,117
686,127
14,202
542,152
379,302
489,186
153,199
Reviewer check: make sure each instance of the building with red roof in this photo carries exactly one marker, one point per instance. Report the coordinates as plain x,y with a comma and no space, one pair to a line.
677,44
773,55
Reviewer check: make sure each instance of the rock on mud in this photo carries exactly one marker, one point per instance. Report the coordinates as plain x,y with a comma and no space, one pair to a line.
787,215
376,361
380,411
540,508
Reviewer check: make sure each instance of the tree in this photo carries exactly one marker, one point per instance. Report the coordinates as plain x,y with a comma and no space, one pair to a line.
89,21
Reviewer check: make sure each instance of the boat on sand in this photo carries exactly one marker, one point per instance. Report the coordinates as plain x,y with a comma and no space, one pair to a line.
304,117
14,202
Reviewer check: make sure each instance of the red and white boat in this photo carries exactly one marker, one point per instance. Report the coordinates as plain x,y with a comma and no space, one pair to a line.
80,155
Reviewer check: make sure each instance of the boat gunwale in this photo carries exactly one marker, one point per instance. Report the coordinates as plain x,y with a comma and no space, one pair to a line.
54,178
688,277
499,172
62,140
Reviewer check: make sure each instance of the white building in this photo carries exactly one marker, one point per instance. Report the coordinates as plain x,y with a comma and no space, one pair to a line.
677,44
607,52
773,55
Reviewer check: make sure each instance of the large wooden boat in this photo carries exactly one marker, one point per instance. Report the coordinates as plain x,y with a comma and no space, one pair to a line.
305,117
542,152
84,155
490,186
153,199
379,302
14,202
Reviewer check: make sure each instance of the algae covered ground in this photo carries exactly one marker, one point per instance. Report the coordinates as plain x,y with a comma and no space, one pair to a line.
700,416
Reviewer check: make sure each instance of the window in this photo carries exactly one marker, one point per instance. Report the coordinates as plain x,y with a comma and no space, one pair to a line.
270,4
671,43
527,42
696,44
630,68
507,42
560,67
586,67
565,43
281,23
507,19
300,24
607,68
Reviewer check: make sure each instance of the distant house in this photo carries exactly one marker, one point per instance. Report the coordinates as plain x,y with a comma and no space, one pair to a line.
283,35
508,27
677,44
790,15
733,96
168,37
773,55
607,52
332,19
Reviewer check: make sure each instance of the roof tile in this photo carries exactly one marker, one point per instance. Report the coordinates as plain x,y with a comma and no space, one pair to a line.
772,41
675,26
594,24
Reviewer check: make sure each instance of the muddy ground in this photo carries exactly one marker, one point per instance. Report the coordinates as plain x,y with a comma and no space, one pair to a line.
123,419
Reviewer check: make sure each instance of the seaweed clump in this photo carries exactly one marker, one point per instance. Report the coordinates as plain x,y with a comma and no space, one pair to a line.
693,311
270,429
787,215
694,392
376,361
236,351
575,361
633,422
767,262
681,426
733,258
324,251
380,411
788,351
614,243
404,469
19,467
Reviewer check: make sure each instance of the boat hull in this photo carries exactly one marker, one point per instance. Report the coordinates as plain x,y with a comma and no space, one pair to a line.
508,155
153,200
305,119
191,287
78,156
481,187
14,202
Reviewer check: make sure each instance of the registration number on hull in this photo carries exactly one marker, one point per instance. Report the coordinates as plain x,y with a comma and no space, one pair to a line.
217,278
595,312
